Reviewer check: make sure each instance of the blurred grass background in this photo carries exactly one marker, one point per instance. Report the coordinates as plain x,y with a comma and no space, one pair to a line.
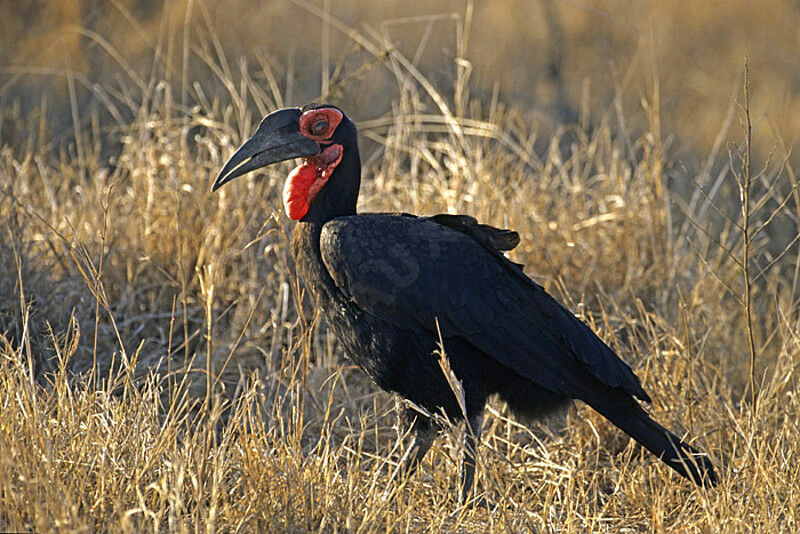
161,368
548,56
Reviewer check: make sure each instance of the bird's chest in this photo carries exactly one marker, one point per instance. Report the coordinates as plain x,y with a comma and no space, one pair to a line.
384,350
394,356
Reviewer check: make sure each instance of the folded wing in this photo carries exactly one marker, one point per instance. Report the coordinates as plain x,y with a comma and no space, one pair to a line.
420,271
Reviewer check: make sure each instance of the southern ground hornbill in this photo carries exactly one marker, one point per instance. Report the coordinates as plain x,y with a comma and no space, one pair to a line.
389,283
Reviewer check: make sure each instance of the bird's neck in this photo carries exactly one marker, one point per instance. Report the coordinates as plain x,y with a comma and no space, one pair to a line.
340,194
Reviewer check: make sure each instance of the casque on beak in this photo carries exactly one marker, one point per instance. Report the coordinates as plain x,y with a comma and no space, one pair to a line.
278,138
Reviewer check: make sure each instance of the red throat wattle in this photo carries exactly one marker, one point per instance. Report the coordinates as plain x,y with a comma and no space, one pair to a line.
305,181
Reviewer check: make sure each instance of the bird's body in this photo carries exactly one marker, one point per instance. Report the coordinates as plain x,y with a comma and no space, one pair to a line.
363,269
392,286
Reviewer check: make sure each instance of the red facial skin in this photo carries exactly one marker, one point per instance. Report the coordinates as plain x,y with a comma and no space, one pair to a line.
305,181
295,191
319,124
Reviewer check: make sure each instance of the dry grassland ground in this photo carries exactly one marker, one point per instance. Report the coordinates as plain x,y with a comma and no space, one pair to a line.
162,369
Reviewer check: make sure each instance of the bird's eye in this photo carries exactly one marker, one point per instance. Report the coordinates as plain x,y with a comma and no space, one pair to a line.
319,127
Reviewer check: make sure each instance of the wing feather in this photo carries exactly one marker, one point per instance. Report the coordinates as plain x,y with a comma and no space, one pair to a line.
415,272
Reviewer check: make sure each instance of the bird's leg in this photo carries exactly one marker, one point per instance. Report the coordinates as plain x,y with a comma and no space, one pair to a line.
471,439
424,433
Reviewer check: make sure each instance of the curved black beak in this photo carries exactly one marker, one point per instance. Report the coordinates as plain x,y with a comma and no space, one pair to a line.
278,138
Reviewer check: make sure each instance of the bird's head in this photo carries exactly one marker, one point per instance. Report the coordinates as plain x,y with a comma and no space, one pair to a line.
325,137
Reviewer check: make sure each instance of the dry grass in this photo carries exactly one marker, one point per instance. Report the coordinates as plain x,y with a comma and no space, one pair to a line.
161,368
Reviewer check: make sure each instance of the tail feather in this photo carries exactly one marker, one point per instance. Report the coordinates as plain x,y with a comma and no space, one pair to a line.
683,458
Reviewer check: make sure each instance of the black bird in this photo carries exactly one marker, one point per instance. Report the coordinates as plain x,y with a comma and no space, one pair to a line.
389,283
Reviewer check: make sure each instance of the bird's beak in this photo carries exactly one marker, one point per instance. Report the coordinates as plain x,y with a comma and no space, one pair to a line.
278,138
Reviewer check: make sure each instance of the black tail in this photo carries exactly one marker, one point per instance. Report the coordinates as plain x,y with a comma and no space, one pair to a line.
685,459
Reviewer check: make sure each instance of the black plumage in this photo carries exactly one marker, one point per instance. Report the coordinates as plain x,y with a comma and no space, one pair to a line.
389,284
